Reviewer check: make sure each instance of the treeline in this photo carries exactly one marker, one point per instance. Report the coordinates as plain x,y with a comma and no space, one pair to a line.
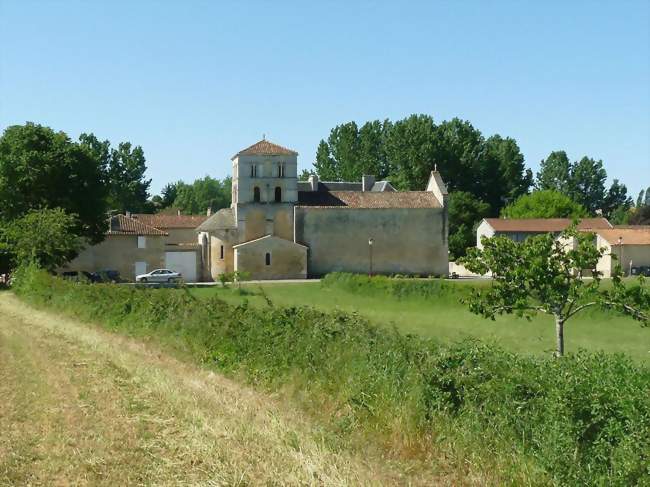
485,176
195,198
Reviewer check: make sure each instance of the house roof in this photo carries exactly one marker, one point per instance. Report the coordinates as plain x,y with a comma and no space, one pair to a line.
629,236
123,225
268,237
544,224
223,219
265,148
368,199
170,221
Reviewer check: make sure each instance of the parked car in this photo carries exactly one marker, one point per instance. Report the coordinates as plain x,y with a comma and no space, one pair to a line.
159,275
643,270
80,276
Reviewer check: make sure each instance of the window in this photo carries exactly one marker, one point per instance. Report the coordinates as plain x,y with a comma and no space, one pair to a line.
268,258
281,170
222,252
142,242
256,194
253,171
278,194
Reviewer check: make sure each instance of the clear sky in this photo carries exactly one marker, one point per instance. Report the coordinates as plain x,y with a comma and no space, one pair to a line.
193,82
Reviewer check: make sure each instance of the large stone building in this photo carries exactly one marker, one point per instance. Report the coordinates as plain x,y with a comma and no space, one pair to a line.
280,228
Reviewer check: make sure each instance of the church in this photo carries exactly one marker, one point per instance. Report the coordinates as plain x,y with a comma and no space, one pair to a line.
280,228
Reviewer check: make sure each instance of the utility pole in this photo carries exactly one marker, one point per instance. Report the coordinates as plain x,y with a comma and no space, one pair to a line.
370,242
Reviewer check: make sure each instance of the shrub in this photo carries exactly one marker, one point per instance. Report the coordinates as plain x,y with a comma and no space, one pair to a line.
582,420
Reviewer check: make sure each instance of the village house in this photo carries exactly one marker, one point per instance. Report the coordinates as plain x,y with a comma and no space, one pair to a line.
627,245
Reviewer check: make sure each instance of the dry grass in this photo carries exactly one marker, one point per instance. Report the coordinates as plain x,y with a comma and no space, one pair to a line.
82,406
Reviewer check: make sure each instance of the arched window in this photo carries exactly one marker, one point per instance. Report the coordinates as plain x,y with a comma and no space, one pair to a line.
268,258
256,194
278,194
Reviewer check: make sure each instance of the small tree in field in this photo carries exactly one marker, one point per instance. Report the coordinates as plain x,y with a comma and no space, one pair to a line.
545,274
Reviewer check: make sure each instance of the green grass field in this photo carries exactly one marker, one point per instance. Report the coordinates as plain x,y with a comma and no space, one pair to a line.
444,318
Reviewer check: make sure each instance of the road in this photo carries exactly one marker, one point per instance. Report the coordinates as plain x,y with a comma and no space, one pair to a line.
82,406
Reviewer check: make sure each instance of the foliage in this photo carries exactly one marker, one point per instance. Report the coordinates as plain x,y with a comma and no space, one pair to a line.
125,168
45,237
406,151
208,192
389,286
465,212
40,168
640,216
589,428
225,278
555,173
544,204
544,274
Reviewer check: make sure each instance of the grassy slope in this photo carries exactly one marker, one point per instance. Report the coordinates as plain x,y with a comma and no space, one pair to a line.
444,318
85,407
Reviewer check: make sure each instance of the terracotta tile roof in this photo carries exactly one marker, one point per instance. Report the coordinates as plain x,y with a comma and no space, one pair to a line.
264,148
544,224
368,199
170,221
123,225
630,236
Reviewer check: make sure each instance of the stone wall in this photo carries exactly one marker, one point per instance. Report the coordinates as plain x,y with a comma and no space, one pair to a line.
405,241
287,260
120,253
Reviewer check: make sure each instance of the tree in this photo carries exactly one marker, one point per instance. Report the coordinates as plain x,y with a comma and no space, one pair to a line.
555,173
44,237
640,200
325,166
587,184
202,194
169,194
616,202
40,168
125,169
542,275
544,204
305,175
465,211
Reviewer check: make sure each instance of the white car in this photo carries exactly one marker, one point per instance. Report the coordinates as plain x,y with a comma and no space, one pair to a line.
159,275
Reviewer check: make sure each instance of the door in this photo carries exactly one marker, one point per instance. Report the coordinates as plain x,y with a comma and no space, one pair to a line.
140,268
183,262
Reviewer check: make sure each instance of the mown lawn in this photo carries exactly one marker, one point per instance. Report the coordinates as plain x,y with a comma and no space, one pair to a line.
446,319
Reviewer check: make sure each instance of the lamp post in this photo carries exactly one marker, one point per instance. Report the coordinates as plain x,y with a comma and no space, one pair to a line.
620,253
370,242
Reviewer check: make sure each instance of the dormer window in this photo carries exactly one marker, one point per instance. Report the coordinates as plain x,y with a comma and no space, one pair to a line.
253,171
281,170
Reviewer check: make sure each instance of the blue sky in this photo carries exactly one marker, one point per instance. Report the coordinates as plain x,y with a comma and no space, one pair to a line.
193,82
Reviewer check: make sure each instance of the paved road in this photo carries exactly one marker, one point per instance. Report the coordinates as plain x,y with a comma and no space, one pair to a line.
81,406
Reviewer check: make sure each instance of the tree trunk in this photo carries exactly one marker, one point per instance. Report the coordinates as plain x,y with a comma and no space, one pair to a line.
559,335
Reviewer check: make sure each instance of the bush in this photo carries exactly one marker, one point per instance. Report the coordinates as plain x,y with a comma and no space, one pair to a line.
580,420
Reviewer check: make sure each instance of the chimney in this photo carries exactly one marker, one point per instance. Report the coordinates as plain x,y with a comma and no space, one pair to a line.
209,212
367,182
128,214
313,182
178,212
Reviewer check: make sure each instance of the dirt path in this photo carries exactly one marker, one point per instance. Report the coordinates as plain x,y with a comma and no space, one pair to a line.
81,406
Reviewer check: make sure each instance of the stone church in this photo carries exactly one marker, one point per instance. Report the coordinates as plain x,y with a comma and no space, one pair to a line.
280,228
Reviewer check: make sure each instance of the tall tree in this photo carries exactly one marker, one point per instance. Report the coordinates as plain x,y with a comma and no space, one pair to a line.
544,204
343,143
169,194
202,194
410,147
640,200
588,183
325,165
555,173
616,199
465,211
504,176
372,153
40,168
125,168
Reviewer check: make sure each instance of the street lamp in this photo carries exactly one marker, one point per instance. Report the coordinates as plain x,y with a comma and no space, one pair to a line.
620,253
370,242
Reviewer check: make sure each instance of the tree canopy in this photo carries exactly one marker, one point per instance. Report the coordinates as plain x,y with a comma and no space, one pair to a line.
202,194
544,204
40,168
543,274
45,237
464,208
